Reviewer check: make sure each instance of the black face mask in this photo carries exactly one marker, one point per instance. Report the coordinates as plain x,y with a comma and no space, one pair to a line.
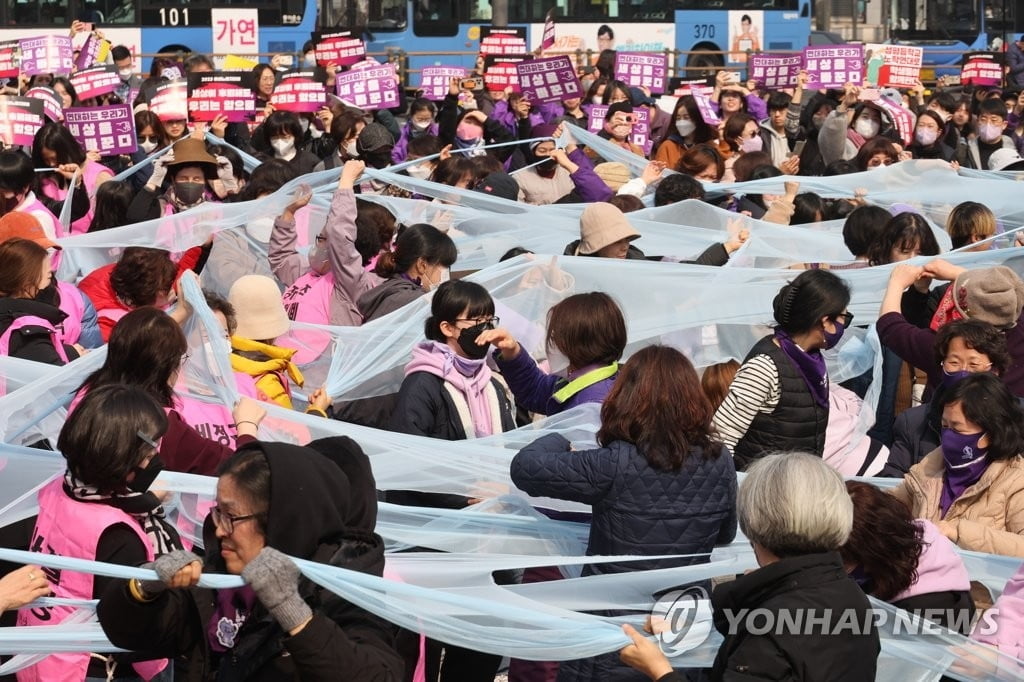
468,337
189,193
144,477
547,168
377,159
8,205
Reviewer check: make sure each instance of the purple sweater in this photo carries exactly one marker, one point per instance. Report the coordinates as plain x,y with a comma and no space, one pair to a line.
534,389
399,152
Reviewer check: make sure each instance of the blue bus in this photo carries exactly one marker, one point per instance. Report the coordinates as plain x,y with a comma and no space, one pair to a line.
450,29
948,28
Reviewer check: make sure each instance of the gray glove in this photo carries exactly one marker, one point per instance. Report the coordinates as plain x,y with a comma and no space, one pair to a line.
226,174
166,566
275,580
160,170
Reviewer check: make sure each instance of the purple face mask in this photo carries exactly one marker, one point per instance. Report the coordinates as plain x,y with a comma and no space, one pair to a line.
832,338
961,450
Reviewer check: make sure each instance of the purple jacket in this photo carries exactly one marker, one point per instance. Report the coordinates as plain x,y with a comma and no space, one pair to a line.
399,152
507,117
939,569
589,185
535,390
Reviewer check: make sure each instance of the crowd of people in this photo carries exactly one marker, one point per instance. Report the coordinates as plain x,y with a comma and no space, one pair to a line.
661,477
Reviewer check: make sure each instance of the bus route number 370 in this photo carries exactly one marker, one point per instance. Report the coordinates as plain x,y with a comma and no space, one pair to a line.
703,31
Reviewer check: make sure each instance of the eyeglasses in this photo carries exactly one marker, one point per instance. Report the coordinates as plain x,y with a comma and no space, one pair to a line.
847,318
490,322
226,522
957,366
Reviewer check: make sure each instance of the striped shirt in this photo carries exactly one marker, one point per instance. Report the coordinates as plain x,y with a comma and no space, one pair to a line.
756,389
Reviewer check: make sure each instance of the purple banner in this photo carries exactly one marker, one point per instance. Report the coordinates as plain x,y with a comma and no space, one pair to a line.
548,38
834,67
641,135
548,80
46,54
108,130
369,89
707,112
52,106
642,70
89,53
774,71
20,120
95,81
435,79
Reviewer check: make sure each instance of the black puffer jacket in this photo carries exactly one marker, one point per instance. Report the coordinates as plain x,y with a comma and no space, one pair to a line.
35,341
323,508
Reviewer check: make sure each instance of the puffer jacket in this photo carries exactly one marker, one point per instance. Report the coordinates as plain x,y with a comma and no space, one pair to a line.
637,509
987,517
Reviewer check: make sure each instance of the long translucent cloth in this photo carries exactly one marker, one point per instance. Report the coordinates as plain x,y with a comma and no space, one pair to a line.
712,314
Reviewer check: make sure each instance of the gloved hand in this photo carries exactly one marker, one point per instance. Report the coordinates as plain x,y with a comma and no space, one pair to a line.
156,180
226,174
275,580
167,566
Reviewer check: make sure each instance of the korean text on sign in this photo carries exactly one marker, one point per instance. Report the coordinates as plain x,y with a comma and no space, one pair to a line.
170,101
20,120
9,59
216,99
981,69
774,71
507,41
235,31
46,54
369,89
340,50
642,70
300,91
502,74
834,67
108,130
641,134
95,81
434,80
901,66
548,80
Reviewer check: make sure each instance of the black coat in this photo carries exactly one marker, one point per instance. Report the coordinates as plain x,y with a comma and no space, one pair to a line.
713,255
813,581
33,342
425,409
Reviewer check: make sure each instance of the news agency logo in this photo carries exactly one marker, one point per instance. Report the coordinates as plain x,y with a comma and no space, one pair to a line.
682,620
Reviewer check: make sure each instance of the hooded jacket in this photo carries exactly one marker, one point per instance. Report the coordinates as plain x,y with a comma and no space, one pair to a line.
33,341
323,508
393,293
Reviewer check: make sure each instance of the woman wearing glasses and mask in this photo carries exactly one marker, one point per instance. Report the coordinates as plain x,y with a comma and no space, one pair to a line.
779,400
101,510
274,501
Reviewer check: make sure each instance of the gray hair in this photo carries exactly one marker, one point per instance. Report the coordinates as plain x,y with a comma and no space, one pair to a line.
793,504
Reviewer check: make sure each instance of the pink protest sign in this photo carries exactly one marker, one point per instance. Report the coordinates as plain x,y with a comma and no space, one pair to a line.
434,80
369,89
508,41
95,81
108,130
834,67
500,73
340,49
692,87
707,112
217,93
642,70
9,55
548,80
774,71
46,54
548,38
53,109
903,118
170,101
641,135
300,91
901,66
20,120
981,68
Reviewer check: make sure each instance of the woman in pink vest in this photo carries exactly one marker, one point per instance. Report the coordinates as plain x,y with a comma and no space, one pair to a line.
17,179
101,510
55,147
274,501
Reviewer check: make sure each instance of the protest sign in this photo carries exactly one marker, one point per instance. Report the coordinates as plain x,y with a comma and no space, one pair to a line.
772,71
834,66
20,120
215,93
548,80
369,89
94,51
95,81
981,68
46,54
300,90
109,130
503,41
340,49
170,101
235,31
707,112
897,66
53,107
434,80
547,39
500,73
642,70
10,56
641,135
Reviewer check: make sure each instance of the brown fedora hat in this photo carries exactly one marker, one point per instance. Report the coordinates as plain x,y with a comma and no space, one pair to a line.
191,151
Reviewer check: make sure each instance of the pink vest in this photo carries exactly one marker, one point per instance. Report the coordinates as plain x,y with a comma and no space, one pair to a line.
24,321
308,300
73,305
66,527
51,226
90,173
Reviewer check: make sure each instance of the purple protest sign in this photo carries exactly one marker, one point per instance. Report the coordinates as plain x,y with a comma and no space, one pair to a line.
774,71
548,37
903,118
642,70
95,81
46,54
641,135
707,112
108,130
52,106
88,54
435,79
20,120
369,89
834,67
548,80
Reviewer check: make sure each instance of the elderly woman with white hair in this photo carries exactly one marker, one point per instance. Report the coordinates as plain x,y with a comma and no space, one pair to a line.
799,616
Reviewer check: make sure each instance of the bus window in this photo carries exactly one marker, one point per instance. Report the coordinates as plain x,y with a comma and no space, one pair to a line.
36,13
936,20
116,11
374,15
436,17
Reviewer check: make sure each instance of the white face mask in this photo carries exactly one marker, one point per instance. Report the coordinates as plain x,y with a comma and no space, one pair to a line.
420,171
350,149
558,362
685,127
421,125
260,228
866,127
125,74
283,145
319,260
596,99
148,147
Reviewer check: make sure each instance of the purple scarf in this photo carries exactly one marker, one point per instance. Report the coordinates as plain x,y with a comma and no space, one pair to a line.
811,366
233,607
965,463
470,377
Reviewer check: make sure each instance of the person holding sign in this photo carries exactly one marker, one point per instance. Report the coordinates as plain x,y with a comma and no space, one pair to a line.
471,129
854,122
